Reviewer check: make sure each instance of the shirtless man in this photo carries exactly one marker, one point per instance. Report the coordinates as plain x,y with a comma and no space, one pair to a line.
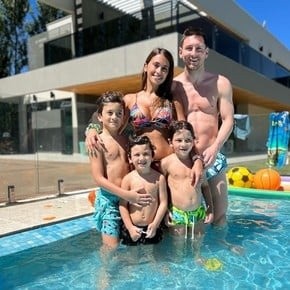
205,99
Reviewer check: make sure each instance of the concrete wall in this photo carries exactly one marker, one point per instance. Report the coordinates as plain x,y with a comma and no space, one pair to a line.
95,13
127,60
65,5
56,29
245,78
110,64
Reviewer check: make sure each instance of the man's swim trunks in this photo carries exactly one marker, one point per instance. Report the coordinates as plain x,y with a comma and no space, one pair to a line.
126,238
189,217
107,216
219,165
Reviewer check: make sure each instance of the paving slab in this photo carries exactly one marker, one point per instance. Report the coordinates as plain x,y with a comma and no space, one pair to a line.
28,215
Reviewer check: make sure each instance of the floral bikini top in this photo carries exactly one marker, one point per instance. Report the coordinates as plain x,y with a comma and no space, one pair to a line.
161,118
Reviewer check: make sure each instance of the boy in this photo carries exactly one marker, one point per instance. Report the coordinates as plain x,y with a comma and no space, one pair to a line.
142,224
109,164
186,211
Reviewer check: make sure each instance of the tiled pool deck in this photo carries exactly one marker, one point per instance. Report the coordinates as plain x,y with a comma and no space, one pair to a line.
37,223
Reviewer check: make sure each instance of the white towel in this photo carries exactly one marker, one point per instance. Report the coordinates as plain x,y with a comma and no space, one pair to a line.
242,127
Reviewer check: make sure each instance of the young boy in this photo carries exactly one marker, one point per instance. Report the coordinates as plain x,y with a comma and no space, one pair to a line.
109,164
186,211
142,224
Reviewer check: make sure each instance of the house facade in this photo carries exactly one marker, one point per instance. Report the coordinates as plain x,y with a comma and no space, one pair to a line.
100,45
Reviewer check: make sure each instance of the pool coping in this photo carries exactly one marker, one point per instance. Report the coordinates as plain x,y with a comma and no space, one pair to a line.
27,216
42,225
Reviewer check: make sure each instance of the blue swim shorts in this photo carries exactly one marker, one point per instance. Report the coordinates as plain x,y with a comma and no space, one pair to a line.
107,216
219,165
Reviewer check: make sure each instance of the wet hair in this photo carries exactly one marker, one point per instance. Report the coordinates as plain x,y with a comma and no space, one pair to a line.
109,97
164,90
140,140
176,126
193,31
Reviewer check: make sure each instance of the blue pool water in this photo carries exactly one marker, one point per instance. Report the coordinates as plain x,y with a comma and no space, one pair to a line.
74,260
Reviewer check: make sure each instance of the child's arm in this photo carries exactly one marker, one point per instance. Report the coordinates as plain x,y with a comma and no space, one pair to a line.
162,208
197,168
164,169
164,165
92,132
208,201
98,172
125,215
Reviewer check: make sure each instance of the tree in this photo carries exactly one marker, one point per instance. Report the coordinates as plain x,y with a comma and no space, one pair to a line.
4,59
18,21
13,36
44,15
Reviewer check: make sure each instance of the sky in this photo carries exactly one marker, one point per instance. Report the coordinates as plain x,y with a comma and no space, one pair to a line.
275,15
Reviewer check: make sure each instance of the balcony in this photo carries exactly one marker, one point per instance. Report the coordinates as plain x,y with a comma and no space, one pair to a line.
156,21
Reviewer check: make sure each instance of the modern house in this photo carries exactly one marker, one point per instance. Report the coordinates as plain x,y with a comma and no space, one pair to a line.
100,45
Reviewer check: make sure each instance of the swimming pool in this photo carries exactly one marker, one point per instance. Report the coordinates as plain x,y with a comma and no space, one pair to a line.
261,227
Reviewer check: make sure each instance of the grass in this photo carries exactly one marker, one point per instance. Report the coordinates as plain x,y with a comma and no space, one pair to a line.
255,165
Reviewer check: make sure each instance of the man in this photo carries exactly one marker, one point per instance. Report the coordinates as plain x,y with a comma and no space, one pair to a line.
205,100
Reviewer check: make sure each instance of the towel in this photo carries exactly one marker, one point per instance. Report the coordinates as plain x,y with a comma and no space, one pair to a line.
278,139
242,127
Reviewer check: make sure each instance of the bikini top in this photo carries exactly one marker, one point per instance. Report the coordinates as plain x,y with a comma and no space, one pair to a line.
161,118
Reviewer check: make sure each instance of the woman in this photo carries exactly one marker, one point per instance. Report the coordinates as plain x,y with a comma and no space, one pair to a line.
150,111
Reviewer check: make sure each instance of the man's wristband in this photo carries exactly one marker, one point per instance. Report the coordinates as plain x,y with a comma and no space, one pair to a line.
197,156
94,126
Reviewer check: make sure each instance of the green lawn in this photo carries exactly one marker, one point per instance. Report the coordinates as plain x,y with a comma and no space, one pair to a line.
255,165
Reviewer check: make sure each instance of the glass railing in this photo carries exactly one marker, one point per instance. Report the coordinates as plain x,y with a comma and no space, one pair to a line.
42,155
39,157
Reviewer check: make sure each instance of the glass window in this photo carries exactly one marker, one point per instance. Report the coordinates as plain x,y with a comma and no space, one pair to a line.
227,45
251,58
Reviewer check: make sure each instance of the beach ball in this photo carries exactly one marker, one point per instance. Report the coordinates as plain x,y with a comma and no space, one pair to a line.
267,178
92,197
240,176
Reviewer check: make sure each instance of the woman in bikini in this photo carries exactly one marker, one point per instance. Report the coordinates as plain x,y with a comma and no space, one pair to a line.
150,111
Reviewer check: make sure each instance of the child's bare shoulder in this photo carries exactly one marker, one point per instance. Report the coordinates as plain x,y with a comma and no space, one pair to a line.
129,177
166,160
108,140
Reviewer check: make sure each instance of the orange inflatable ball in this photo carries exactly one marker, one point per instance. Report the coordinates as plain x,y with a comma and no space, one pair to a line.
267,178
92,197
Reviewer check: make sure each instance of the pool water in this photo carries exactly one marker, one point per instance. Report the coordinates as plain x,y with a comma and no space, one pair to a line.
261,227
